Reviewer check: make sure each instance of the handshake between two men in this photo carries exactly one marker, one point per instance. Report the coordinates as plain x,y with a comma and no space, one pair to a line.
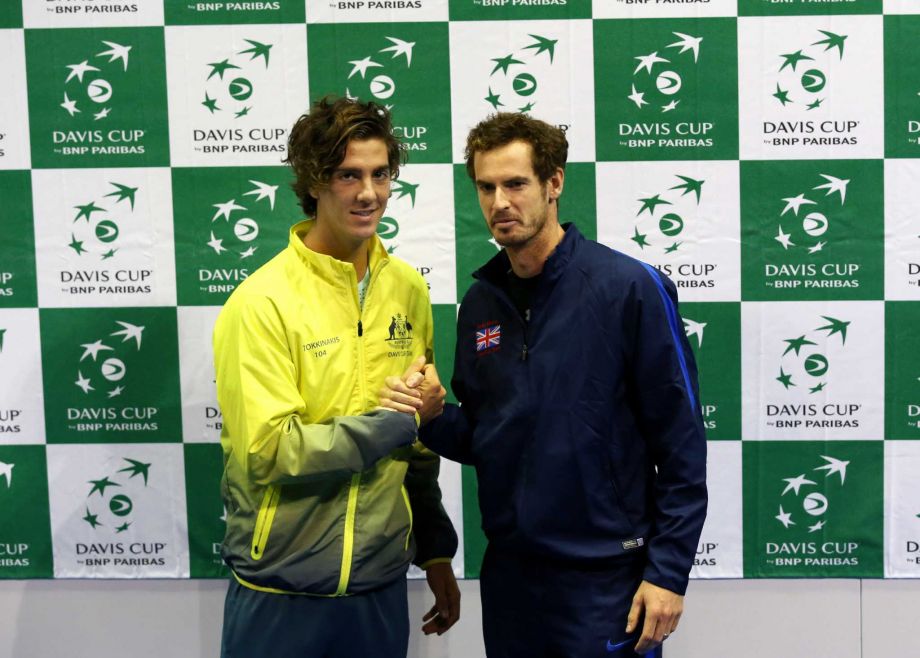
418,390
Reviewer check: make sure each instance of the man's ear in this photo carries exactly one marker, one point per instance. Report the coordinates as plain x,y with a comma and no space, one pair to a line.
555,184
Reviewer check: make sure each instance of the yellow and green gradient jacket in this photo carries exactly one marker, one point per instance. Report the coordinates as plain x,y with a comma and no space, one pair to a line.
323,494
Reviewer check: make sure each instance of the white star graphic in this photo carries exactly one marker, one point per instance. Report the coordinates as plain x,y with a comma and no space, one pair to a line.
399,47
816,527
69,105
784,517
834,185
83,383
648,61
834,466
637,97
793,204
818,247
6,470
224,209
116,51
101,114
495,244
783,239
264,191
93,349
116,391
687,43
129,331
670,106
249,252
794,484
78,70
361,66
692,328
216,244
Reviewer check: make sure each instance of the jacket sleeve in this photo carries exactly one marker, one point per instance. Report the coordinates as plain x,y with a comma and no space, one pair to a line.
669,418
264,414
435,537
450,434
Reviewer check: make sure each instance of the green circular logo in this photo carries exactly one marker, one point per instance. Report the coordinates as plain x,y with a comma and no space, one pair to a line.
382,87
107,231
246,229
113,369
120,505
816,365
671,224
668,82
524,84
814,224
815,504
240,89
813,80
388,228
99,91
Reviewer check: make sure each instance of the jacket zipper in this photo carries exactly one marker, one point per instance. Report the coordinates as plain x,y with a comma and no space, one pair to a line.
264,521
504,297
348,546
405,495
351,511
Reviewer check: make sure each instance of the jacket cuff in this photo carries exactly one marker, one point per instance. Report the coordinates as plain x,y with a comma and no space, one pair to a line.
437,560
671,583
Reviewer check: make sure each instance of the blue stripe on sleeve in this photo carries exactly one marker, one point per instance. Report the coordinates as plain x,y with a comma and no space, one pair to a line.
671,312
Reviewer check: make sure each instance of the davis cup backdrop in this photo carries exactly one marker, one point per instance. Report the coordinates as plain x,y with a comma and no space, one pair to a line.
765,154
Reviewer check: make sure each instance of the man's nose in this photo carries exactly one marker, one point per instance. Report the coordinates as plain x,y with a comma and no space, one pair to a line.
501,199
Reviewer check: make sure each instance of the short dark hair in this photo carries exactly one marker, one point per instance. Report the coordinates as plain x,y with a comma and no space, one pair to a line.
548,144
317,143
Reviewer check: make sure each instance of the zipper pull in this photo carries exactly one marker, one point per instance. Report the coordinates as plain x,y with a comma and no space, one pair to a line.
360,329
524,353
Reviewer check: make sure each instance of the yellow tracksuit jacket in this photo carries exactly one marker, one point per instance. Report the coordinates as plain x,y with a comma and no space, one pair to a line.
324,495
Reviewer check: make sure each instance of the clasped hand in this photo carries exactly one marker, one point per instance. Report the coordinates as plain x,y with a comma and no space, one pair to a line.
418,390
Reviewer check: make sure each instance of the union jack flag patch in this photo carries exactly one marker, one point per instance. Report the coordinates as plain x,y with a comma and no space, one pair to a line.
488,338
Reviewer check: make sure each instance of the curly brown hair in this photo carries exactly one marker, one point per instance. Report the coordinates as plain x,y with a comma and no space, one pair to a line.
318,141
548,144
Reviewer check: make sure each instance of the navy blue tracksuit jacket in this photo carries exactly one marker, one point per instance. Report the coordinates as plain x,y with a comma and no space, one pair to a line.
584,423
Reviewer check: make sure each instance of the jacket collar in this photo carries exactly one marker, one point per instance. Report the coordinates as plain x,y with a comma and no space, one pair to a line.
326,266
496,269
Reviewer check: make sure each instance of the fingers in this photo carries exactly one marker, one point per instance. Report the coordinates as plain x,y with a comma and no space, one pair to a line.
632,619
412,376
446,609
652,634
397,396
439,620
433,394
662,609
433,622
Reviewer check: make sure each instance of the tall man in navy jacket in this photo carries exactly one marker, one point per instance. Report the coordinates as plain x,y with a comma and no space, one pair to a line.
580,412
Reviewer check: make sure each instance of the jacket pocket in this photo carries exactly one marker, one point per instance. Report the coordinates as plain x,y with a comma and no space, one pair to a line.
405,495
264,520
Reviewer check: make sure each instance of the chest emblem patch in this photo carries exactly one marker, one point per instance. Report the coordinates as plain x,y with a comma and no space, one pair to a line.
488,338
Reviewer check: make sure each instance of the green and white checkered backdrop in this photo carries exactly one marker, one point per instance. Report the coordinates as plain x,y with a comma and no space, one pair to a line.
763,153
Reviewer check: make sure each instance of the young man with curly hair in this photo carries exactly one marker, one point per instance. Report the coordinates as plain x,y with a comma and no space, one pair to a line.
328,496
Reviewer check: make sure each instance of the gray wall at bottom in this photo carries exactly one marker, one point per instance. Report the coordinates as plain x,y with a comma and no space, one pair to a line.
731,618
